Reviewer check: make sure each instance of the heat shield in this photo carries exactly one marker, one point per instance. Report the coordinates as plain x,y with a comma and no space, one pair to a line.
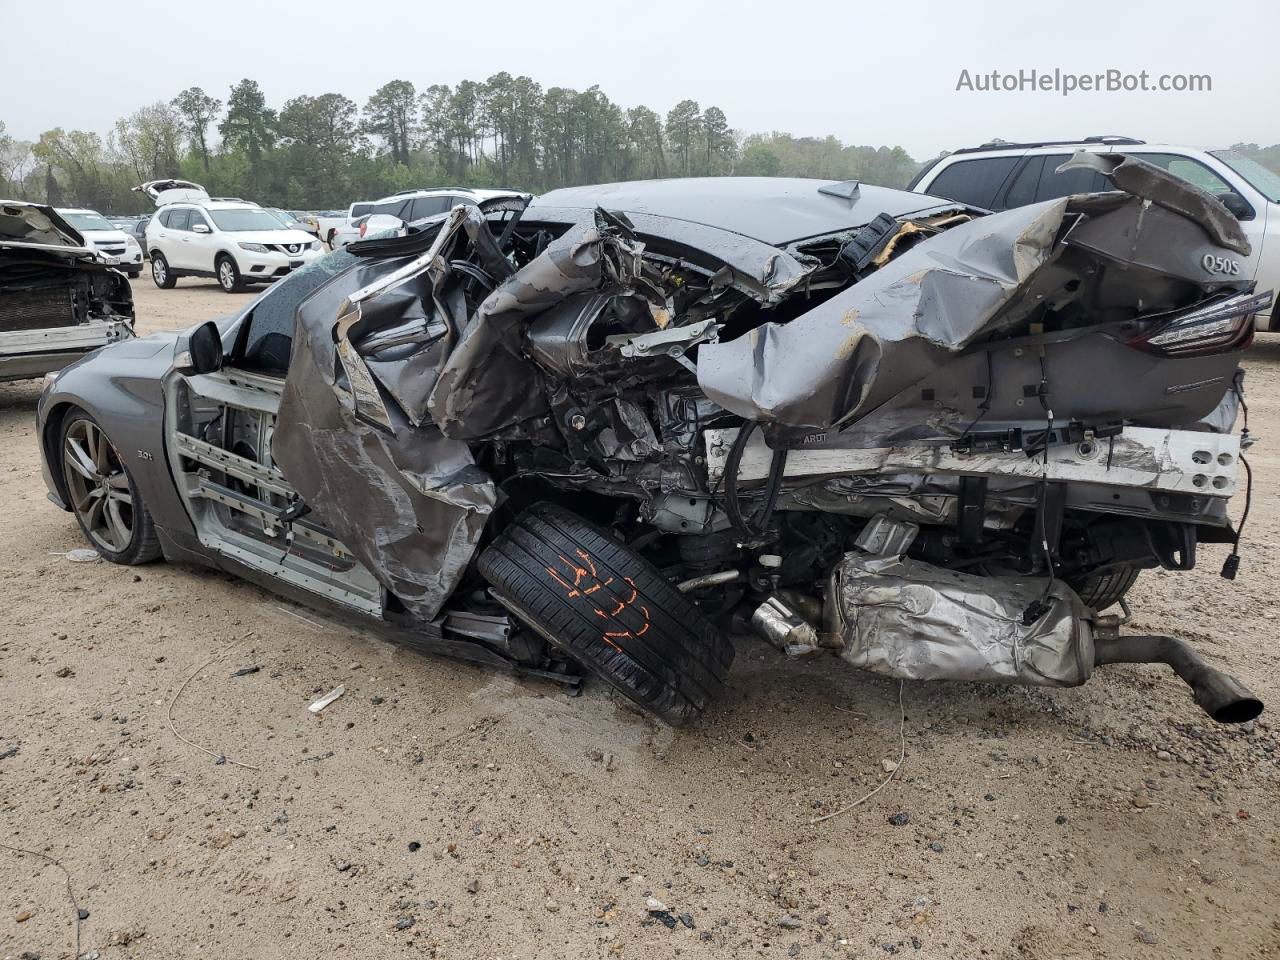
911,620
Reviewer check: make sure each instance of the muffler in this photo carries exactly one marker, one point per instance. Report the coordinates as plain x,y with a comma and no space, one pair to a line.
1219,694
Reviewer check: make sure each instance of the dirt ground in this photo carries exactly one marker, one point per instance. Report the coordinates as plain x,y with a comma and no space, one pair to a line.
440,810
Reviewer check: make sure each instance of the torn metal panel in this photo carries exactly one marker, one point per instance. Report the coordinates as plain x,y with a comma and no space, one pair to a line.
871,340
1148,236
487,383
1141,179
755,268
911,620
407,501
1093,259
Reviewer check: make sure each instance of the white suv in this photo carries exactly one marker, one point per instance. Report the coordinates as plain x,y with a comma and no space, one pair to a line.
229,239
116,247
999,175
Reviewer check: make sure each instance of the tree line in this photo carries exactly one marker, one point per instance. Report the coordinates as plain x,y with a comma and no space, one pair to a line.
326,151
317,152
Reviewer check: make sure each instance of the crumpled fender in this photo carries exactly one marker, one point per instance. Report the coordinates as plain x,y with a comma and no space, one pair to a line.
409,503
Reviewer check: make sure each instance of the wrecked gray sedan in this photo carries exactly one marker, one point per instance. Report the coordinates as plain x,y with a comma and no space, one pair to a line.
603,430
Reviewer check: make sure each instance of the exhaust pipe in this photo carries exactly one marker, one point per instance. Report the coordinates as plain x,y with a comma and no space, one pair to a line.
785,629
1220,695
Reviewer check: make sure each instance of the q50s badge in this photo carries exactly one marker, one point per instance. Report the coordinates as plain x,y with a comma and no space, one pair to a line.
1223,265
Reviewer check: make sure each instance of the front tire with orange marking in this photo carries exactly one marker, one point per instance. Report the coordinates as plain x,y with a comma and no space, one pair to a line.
610,609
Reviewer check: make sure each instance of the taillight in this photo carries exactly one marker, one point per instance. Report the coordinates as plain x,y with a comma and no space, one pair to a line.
1217,328
363,228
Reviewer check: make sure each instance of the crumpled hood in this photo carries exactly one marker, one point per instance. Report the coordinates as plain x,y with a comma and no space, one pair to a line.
38,226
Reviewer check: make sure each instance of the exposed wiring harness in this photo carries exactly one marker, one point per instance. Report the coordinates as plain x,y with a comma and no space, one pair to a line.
753,527
1231,566
1042,606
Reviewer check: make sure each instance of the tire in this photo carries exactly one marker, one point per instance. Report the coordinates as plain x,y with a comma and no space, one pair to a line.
103,495
134,274
228,274
1103,588
161,275
609,609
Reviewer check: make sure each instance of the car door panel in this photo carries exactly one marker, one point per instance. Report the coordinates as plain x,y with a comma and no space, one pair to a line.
1267,254
219,431
177,248
199,249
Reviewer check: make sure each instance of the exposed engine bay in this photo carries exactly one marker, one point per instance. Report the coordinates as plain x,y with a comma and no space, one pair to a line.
938,444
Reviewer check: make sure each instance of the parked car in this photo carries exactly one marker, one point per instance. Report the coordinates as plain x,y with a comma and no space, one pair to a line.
139,232
330,223
117,246
59,298
289,220
232,240
999,175
410,206
584,434
312,218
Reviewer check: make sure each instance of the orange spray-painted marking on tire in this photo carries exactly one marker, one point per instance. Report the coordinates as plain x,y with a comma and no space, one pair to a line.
588,575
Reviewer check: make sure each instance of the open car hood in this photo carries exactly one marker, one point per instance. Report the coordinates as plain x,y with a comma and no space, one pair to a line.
36,226
172,191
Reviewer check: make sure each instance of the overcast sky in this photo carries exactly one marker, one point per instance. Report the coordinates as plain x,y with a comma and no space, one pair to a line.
872,73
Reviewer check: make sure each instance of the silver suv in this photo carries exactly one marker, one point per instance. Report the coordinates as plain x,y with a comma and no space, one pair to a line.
1000,175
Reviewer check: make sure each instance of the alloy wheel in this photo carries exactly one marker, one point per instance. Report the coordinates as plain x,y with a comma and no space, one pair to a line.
226,275
158,271
99,488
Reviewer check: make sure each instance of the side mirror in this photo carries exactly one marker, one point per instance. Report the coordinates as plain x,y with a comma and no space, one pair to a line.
204,350
200,228
1240,207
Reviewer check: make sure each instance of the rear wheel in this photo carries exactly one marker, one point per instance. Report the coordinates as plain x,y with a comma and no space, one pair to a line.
161,275
610,609
1103,588
103,495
